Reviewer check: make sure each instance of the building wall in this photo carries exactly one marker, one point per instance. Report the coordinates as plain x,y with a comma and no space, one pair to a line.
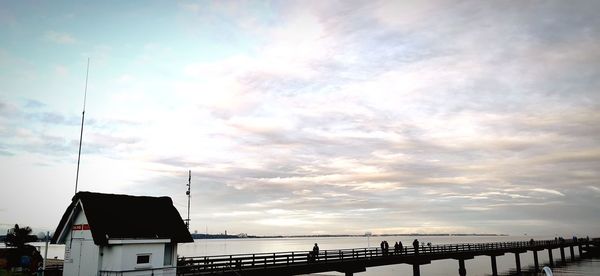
81,254
122,257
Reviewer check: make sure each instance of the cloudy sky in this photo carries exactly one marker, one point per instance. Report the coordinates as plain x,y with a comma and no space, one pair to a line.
308,117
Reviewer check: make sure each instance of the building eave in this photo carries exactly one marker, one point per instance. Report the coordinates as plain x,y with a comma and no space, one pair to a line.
137,241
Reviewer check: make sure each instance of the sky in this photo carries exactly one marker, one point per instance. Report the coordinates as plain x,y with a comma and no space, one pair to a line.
308,117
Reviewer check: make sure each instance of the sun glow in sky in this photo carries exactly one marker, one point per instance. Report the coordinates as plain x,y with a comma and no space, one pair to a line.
308,117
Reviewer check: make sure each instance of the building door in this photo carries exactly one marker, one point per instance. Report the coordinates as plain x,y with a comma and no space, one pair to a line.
76,248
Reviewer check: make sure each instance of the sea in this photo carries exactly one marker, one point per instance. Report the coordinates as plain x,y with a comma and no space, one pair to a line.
477,266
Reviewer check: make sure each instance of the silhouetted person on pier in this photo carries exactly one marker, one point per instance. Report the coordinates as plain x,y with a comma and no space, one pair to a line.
416,246
396,246
531,242
400,247
316,251
384,248
387,247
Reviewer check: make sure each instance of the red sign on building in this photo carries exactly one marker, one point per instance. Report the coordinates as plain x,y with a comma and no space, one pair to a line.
80,227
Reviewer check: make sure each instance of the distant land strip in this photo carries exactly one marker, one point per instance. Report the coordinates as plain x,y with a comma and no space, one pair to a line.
198,236
242,236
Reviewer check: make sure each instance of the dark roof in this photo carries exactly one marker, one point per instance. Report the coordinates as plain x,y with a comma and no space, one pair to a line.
126,217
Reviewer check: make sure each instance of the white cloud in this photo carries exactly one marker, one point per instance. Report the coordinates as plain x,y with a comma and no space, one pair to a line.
595,189
59,37
548,191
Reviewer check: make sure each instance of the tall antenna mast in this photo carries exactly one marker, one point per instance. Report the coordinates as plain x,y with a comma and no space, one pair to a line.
82,120
189,195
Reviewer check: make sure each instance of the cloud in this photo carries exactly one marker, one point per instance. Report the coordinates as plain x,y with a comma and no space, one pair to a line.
481,116
34,127
549,191
340,117
59,37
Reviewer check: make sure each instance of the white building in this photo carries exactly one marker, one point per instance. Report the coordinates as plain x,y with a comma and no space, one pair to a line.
107,233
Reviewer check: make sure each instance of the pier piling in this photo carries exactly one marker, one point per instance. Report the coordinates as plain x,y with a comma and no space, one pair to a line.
494,266
550,257
562,254
572,253
518,263
462,271
416,270
536,264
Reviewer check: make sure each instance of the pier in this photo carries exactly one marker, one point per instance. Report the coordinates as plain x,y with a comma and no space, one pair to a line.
351,261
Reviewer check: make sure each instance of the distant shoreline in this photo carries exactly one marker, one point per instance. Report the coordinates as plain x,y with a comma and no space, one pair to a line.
223,236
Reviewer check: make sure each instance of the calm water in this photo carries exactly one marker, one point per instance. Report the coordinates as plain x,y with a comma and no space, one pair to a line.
476,266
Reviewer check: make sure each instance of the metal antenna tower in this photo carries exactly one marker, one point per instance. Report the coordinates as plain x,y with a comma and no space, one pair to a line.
82,120
189,195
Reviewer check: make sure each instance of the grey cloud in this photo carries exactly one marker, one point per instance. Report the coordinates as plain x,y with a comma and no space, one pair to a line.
26,130
31,103
64,149
179,162
52,118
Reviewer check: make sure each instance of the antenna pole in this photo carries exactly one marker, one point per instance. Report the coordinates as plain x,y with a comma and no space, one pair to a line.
82,120
189,185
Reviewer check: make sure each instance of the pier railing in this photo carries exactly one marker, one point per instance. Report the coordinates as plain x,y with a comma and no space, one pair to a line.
240,262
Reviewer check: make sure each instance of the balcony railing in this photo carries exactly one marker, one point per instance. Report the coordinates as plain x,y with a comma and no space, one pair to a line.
140,272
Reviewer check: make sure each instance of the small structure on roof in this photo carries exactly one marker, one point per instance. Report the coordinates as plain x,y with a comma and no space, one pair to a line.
106,233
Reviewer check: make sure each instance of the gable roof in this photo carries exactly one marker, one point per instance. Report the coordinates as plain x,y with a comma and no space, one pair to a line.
112,216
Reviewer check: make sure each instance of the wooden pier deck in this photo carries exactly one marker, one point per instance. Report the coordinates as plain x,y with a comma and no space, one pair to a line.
350,261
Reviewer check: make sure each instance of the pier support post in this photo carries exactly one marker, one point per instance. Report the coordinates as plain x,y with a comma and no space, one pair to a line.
494,267
572,253
562,254
518,263
550,258
416,270
536,264
580,250
462,271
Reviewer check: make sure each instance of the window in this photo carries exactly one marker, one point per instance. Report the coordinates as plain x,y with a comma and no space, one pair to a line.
168,254
143,258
